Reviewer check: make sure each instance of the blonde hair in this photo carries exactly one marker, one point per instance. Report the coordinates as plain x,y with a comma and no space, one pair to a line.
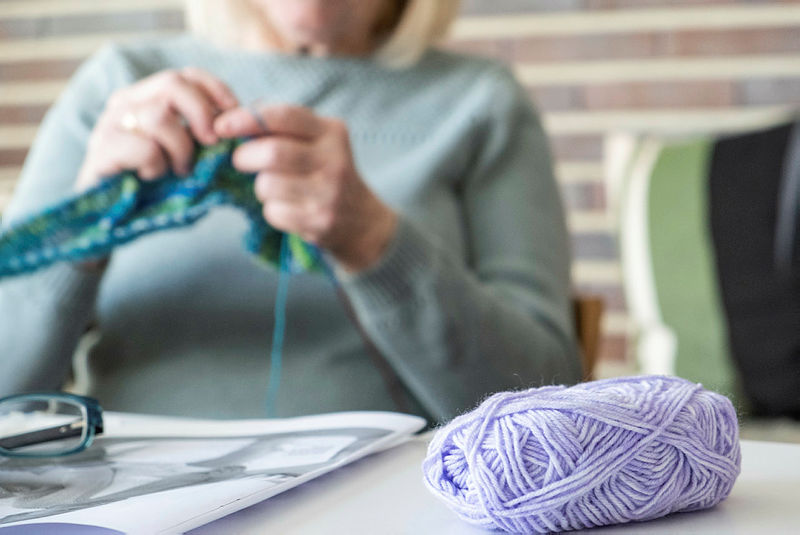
421,24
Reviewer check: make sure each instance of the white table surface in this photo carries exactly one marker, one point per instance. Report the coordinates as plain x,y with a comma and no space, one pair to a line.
384,494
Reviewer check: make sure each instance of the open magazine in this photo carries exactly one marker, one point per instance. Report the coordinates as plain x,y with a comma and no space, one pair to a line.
154,474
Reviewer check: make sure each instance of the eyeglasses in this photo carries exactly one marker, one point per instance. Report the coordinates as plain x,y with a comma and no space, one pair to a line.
48,425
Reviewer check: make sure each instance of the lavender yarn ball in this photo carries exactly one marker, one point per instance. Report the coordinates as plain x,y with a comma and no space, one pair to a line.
606,452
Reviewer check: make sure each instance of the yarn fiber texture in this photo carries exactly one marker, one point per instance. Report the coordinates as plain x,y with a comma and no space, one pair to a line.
606,452
123,208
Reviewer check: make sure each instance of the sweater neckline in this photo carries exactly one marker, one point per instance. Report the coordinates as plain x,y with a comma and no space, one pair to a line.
328,64
277,57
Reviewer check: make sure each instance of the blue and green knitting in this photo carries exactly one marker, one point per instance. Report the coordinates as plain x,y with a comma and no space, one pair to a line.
123,208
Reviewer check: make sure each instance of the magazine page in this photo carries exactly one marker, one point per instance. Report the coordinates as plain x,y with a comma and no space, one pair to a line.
154,474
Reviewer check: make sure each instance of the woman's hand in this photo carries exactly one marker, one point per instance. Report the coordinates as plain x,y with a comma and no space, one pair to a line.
308,183
151,126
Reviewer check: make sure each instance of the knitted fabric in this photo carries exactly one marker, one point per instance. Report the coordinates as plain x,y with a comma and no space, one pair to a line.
123,208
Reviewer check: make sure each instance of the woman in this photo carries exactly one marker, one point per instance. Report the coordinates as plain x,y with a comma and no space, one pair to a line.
423,175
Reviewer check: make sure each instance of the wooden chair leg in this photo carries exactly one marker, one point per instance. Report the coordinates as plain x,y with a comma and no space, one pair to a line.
588,312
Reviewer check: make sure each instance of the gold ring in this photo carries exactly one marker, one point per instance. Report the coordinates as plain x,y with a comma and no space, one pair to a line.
130,122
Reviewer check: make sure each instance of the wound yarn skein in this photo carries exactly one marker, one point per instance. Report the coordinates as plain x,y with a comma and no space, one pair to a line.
554,459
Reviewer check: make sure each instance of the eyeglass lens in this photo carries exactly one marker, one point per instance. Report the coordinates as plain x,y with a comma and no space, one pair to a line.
42,426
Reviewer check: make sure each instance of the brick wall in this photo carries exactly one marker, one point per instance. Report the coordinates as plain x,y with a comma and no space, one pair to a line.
593,67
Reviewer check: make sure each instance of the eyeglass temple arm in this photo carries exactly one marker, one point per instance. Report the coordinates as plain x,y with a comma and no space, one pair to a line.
41,436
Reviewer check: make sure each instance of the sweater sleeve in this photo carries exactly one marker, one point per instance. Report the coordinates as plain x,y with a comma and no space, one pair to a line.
455,330
43,315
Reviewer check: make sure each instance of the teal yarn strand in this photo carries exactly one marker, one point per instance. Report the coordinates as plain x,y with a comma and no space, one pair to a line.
279,327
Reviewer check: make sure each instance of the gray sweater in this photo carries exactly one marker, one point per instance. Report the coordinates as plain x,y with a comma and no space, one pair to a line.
471,297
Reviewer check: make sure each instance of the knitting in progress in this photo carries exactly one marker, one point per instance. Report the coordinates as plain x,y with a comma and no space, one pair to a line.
606,452
123,208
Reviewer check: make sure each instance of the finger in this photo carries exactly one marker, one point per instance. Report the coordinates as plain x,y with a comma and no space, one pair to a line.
164,126
131,151
285,120
219,93
287,216
269,187
170,87
275,154
193,105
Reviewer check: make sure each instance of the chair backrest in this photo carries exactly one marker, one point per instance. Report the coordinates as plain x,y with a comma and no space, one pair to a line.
667,261
708,233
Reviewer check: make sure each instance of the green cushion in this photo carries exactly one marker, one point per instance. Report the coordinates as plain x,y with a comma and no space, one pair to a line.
683,264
